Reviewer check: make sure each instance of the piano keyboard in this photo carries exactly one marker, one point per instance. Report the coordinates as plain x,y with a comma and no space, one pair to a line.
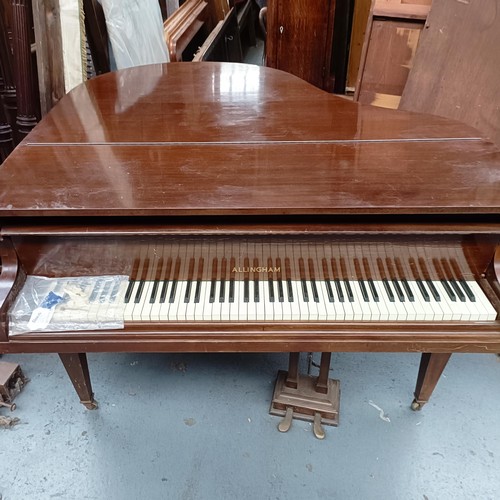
229,281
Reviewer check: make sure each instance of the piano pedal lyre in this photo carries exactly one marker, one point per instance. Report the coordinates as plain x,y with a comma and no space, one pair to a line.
314,399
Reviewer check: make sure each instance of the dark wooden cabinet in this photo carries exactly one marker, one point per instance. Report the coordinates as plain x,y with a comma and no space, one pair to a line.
300,38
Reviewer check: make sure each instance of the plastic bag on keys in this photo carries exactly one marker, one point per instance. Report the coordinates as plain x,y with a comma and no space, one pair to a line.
69,304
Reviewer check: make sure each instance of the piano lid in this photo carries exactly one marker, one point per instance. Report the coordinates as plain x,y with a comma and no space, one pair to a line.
221,138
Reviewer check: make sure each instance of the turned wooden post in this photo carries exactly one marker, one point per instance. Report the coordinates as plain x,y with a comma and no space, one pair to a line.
23,68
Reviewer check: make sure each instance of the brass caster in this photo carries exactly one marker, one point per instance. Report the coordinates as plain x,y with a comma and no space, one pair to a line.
416,406
286,423
317,427
90,405
10,406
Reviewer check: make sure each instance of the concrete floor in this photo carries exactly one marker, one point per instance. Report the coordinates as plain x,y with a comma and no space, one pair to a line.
178,426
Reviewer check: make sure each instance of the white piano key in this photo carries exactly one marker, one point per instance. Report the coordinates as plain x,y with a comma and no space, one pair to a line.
260,306
450,312
180,312
236,307
272,309
298,307
142,312
323,301
129,306
386,312
488,313
423,312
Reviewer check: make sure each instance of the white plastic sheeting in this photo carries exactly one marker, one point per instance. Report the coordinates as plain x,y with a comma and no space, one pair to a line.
135,30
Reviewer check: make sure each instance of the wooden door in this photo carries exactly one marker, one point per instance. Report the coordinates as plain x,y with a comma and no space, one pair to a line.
299,38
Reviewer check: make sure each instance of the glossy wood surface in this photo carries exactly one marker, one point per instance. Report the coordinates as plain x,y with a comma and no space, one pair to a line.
137,158
226,139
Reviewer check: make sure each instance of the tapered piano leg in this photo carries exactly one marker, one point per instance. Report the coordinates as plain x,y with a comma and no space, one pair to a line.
78,370
431,368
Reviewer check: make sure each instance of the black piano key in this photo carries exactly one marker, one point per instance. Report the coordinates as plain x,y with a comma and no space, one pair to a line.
305,293
213,285
187,295
399,291
458,290
222,291
163,294
173,291
433,290
142,281
423,290
197,292
281,293
314,290
407,289
246,290
271,290
138,295
375,296
95,291
448,276
289,289
156,282
350,295
461,280
340,292
154,291
133,278
329,291
223,278
231,290
256,293
467,290
128,293
175,280
364,291
388,290
448,290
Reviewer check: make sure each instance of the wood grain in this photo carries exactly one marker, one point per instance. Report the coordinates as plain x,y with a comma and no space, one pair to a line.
456,71
48,41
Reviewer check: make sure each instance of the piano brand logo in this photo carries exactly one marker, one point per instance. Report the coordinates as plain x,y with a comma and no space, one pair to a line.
258,269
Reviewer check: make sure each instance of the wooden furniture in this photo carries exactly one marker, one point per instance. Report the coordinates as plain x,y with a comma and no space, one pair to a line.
7,85
456,67
391,38
258,178
20,89
223,44
183,25
300,39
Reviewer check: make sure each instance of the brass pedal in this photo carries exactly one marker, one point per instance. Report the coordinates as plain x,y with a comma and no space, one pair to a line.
286,423
306,403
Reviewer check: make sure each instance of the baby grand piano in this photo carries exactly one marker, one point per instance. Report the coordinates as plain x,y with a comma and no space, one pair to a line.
253,212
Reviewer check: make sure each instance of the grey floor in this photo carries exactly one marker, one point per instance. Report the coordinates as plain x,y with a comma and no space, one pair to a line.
179,426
